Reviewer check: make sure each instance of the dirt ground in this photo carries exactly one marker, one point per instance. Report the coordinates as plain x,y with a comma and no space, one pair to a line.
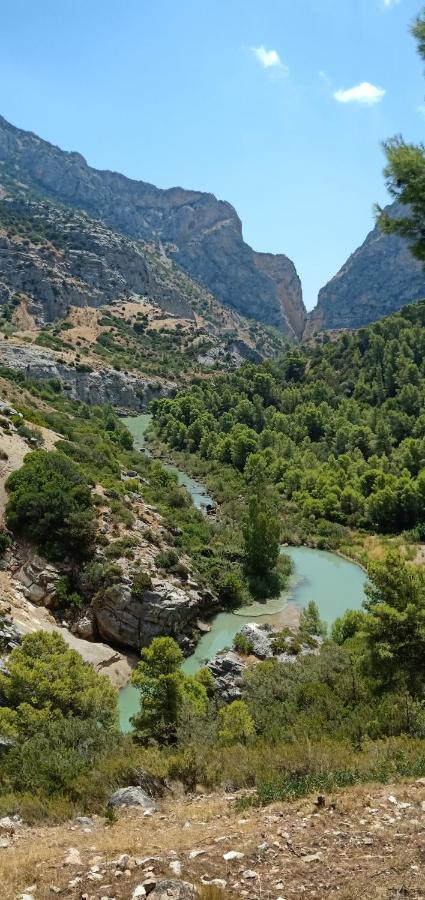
366,842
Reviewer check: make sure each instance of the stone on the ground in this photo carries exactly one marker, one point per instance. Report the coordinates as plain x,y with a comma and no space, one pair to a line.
176,867
73,857
233,854
131,796
169,889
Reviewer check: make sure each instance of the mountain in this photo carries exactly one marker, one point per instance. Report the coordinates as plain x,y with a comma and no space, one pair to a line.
202,234
378,279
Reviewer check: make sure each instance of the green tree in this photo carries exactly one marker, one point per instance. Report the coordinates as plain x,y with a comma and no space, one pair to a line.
164,690
405,177
310,621
50,503
395,624
236,725
44,675
261,536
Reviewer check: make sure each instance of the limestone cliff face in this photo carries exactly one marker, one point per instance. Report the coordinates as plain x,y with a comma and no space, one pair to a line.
205,233
104,386
379,278
289,289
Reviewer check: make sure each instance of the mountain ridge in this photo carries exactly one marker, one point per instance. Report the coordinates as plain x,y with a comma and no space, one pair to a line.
204,234
379,278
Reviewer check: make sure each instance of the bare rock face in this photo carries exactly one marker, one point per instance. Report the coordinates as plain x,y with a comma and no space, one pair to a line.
166,609
205,234
227,670
289,289
103,386
39,579
378,279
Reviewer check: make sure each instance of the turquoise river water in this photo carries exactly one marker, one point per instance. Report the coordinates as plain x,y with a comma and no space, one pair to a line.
336,584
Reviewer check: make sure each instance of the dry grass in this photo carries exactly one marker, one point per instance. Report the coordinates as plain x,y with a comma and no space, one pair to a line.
364,848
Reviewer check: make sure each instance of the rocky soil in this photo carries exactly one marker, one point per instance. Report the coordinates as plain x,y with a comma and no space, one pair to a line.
366,842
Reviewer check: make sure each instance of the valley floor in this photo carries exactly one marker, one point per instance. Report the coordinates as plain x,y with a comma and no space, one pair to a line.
366,842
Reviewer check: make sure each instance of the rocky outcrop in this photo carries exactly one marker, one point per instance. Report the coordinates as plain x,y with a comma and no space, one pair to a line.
259,637
227,670
83,262
378,279
168,609
39,579
288,286
203,234
101,386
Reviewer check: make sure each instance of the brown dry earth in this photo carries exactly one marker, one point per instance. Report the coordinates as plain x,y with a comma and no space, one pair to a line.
367,842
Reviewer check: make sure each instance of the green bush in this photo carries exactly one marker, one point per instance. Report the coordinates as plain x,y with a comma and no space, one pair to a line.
50,504
166,559
141,582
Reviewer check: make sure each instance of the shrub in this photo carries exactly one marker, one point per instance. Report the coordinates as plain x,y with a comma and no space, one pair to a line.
5,541
50,503
242,644
166,559
141,583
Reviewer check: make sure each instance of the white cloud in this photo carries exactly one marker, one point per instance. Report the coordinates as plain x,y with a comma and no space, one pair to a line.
388,4
421,109
270,59
365,93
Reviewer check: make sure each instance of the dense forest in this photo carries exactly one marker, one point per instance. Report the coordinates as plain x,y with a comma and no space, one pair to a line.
336,427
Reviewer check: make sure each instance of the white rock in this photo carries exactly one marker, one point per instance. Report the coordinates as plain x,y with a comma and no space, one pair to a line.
249,873
219,883
392,799
73,857
233,854
194,853
139,891
176,867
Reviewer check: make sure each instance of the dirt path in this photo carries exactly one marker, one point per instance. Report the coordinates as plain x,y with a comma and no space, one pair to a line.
368,843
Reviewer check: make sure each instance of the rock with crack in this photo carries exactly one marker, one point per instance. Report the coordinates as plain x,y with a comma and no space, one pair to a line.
100,387
227,670
260,639
39,579
124,619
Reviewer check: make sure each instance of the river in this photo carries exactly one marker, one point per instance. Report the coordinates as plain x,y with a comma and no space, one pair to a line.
334,583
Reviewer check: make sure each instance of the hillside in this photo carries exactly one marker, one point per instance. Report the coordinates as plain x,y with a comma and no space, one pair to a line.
366,842
203,235
113,315
379,278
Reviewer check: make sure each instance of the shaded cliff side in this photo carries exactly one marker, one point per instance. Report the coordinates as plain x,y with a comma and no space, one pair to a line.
378,279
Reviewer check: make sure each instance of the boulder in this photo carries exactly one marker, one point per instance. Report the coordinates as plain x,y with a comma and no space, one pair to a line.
171,889
227,670
259,636
131,796
132,622
40,579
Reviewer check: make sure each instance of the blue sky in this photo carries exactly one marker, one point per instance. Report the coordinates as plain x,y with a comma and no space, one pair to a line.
278,106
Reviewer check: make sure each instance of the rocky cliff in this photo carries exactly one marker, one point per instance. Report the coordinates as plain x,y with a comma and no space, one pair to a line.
379,278
288,286
96,387
203,234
